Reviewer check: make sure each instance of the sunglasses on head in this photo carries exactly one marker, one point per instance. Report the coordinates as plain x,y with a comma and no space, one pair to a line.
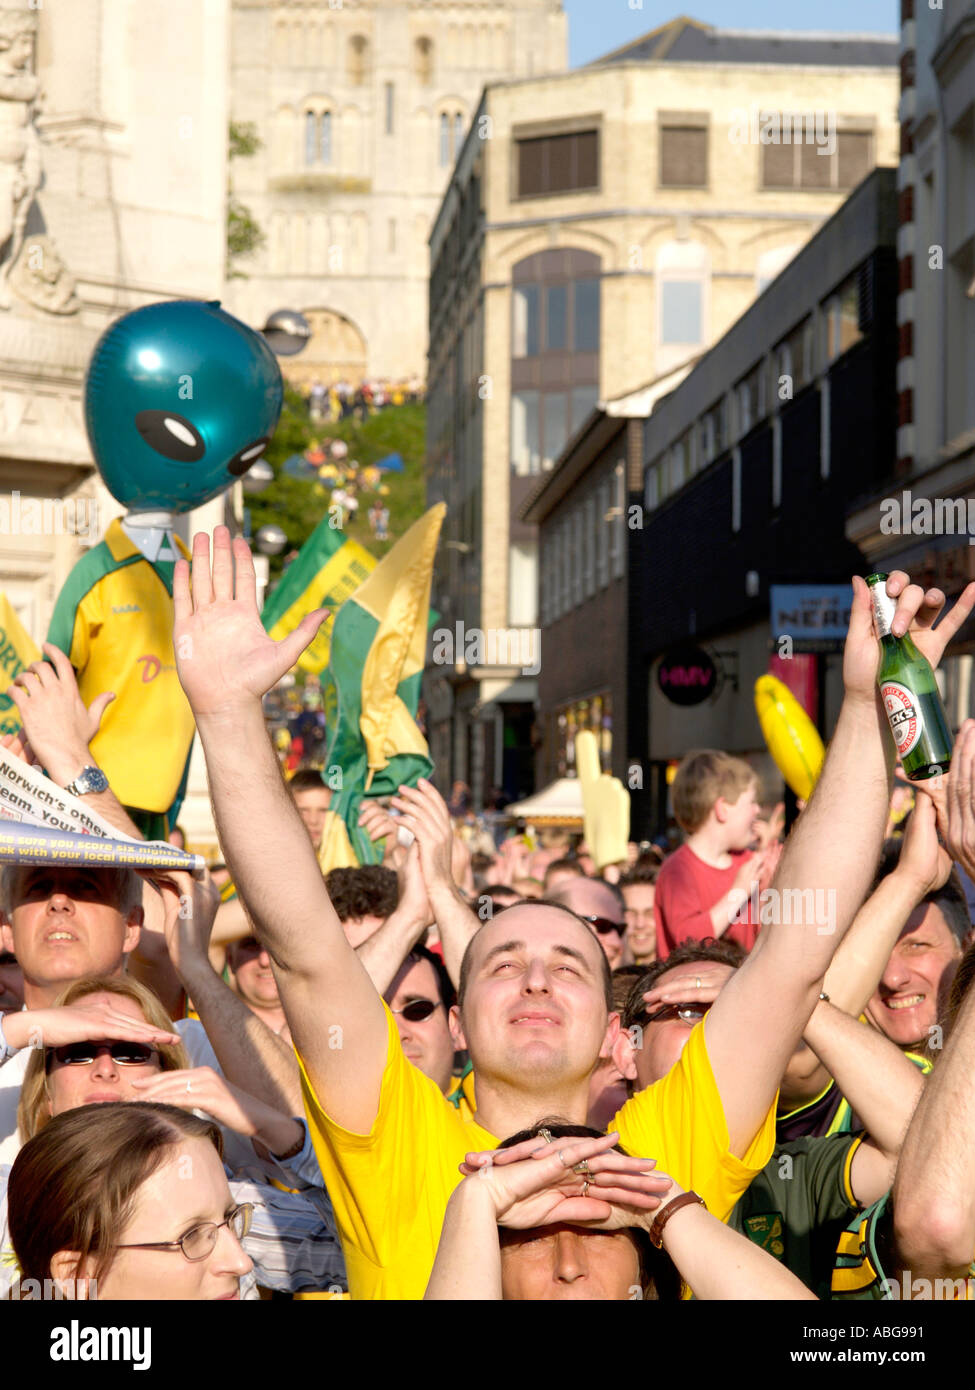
603,926
687,1013
124,1054
417,1009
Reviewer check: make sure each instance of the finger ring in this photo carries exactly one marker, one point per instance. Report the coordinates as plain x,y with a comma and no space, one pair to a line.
561,1158
585,1188
189,1085
697,981
583,1167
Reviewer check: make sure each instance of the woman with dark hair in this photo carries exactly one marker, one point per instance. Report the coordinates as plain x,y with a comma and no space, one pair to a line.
528,1224
127,1200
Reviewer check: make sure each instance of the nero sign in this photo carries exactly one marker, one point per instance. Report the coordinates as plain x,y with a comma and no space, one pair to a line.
687,676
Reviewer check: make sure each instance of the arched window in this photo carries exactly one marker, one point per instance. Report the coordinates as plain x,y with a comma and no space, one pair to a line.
683,283
318,133
358,59
423,61
451,135
770,263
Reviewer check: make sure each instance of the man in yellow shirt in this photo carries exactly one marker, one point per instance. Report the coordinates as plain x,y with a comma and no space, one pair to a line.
534,1005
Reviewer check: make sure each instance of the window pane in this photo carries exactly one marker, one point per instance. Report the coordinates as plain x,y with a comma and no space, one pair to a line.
680,319
325,137
530,160
778,166
684,156
525,328
585,325
458,133
583,401
523,583
816,166
556,316
556,425
525,453
854,151
389,108
587,159
444,140
310,136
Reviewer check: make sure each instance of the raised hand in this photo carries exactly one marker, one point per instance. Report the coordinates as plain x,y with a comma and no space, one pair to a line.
917,612
91,1022
536,1183
191,902
426,814
58,726
923,859
224,657
954,799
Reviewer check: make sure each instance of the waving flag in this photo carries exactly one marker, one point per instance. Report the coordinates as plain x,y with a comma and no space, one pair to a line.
17,650
329,568
376,665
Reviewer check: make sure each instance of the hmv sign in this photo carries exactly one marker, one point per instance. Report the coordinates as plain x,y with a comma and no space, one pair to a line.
687,676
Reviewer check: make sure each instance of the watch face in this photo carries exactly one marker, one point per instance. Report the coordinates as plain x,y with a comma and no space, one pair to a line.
91,779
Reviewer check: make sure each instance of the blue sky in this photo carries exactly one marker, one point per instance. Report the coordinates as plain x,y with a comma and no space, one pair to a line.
597,26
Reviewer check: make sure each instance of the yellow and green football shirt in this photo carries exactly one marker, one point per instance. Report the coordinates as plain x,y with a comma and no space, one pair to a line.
114,619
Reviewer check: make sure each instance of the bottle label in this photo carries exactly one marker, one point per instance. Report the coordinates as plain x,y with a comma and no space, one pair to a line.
884,608
906,723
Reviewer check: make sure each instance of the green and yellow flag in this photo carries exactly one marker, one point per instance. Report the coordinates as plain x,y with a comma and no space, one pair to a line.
373,687
328,569
17,650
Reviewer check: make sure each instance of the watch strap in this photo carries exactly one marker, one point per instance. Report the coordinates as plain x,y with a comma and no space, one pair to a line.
664,1215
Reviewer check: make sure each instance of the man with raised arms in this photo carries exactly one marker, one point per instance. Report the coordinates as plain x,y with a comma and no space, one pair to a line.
534,1003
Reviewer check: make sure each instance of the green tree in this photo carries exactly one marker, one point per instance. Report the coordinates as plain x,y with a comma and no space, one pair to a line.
244,235
297,505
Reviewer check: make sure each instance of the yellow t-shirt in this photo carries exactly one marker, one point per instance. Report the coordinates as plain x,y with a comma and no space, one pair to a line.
114,619
389,1188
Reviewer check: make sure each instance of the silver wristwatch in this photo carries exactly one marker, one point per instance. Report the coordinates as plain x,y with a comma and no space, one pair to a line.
89,779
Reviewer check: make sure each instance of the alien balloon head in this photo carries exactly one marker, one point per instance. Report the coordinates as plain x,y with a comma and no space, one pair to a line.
180,399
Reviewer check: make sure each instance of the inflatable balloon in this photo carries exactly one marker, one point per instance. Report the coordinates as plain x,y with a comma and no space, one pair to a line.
793,739
180,399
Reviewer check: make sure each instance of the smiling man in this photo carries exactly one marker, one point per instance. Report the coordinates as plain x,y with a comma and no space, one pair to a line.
917,978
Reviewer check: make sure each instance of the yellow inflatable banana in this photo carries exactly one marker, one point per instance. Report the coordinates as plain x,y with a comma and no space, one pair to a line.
792,737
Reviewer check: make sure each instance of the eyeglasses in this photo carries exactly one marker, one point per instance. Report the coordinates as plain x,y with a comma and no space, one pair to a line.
124,1054
687,1013
603,926
417,1009
197,1244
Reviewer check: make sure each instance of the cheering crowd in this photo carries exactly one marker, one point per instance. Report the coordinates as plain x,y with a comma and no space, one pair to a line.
740,1071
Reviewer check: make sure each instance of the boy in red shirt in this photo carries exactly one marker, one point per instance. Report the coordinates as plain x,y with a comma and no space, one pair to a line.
703,886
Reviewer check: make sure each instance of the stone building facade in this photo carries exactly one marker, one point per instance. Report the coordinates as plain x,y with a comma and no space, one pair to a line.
602,228
361,109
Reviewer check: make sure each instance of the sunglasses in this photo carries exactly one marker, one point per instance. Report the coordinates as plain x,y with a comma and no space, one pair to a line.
124,1054
417,1009
687,1013
603,926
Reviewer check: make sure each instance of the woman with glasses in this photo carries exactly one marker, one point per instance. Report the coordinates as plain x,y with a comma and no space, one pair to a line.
127,1201
292,1240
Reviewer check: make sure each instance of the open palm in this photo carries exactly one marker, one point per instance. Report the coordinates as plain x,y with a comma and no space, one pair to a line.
224,657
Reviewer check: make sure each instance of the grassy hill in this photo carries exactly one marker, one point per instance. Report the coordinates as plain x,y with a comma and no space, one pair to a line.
297,505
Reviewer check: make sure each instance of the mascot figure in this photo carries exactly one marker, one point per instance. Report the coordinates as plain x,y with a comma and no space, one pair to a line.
180,399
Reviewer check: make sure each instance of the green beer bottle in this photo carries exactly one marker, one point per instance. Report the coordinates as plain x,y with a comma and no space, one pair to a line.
910,694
